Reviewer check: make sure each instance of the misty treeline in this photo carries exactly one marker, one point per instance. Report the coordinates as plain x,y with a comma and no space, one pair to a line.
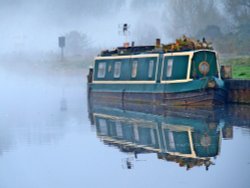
226,23
76,43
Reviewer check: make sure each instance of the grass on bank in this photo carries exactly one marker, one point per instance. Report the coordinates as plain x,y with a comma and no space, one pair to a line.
241,72
240,66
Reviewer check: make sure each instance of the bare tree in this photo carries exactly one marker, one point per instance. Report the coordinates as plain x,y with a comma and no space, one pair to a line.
190,16
239,13
239,10
76,43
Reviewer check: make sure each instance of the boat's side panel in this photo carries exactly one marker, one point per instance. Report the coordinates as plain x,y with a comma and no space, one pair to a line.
159,68
150,87
134,68
179,68
196,98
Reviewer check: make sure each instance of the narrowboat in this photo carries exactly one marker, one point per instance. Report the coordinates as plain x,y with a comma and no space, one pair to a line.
158,74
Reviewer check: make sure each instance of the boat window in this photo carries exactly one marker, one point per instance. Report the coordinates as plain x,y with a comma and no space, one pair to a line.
170,67
101,70
134,69
117,70
150,68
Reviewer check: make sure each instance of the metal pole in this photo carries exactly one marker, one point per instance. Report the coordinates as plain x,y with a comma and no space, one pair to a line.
62,54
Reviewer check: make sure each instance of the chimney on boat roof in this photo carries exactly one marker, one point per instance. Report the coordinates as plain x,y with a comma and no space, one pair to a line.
126,44
158,43
133,44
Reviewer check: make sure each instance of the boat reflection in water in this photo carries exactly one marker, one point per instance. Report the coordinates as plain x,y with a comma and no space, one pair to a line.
188,136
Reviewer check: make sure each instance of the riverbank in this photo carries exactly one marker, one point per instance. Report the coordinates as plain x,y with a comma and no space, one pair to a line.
45,66
52,64
240,66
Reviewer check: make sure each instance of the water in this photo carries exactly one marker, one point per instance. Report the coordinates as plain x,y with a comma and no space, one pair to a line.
50,137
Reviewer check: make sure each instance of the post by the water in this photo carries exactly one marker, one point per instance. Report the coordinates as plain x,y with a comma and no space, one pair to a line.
61,44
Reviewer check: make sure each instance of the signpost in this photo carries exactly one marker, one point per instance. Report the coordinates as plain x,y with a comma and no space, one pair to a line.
61,44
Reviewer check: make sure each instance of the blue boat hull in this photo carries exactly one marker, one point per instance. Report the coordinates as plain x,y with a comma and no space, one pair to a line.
207,97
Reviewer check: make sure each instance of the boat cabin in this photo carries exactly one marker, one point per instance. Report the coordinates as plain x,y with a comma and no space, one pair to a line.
158,67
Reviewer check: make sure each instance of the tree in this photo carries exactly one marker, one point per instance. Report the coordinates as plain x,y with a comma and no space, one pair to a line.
190,16
239,13
238,10
76,43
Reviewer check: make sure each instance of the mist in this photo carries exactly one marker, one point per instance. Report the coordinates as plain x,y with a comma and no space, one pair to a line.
35,26
31,29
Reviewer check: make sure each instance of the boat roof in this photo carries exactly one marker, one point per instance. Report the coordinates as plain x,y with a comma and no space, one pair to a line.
132,50
122,52
183,44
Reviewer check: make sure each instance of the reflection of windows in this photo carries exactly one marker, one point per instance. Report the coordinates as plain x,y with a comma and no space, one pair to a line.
118,126
171,140
134,69
150,68
101,70
170,67
117,71
136,133
152,135
103,126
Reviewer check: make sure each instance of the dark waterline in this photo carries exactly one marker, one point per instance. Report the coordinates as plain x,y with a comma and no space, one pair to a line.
47,140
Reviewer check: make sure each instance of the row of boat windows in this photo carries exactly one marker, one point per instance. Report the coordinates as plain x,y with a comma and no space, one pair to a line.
134,69
118,131
106,130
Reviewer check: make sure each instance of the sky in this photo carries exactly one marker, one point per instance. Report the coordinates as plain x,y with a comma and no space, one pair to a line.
32,25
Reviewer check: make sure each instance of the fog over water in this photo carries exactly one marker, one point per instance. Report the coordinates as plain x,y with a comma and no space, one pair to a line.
48,137
33,107
47,140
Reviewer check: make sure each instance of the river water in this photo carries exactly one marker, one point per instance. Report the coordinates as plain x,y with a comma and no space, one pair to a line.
51,136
